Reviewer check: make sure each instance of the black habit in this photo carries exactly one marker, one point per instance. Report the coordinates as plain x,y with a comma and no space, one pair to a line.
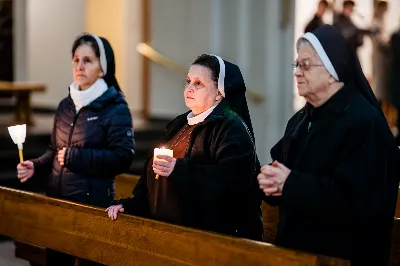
214,184
339,199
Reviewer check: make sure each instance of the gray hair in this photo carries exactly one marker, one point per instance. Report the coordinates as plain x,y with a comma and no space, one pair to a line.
302,42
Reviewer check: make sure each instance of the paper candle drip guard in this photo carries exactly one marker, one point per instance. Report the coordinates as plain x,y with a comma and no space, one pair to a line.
18,135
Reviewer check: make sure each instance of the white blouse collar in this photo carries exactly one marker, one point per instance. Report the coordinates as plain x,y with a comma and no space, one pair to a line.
193,120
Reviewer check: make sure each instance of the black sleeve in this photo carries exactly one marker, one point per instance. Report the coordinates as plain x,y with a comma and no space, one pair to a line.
395,46
139,203
276,155
361,184
232,173
44,164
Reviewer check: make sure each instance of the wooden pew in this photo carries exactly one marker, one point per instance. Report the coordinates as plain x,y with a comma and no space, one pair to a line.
86,232
126,182
124,185
22,91
36,255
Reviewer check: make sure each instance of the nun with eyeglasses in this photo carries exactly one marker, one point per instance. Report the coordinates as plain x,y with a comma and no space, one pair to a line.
92,138
335,171
211,182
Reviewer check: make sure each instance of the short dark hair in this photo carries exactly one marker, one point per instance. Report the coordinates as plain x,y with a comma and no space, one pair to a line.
210,62
323,2
86,39
348,3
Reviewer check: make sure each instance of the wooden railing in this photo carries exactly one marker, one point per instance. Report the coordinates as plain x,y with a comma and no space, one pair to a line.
150,53
86,232
125,183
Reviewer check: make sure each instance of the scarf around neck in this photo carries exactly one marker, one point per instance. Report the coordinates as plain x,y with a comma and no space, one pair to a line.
85,97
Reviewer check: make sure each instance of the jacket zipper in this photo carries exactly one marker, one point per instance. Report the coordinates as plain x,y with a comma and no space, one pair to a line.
309,126
68,145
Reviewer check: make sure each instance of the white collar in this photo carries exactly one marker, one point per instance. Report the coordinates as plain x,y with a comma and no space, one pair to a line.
85,97
193,120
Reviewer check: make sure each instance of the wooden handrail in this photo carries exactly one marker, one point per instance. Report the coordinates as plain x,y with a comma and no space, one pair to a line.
160,59
86,232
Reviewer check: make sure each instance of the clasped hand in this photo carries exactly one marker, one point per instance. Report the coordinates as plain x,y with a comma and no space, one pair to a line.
272,178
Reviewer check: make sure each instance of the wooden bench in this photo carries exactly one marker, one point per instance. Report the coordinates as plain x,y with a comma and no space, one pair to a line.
86,232
22,92
125,184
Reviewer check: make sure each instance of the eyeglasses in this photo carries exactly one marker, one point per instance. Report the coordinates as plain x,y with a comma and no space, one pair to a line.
304,66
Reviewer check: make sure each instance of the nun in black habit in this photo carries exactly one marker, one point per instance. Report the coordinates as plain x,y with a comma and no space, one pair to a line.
335,171
211,183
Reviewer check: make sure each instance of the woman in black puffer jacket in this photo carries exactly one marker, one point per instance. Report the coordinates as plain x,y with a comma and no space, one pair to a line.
92,137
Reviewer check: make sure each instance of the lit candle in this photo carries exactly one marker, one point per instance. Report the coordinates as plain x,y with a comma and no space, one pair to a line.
162,151
18,134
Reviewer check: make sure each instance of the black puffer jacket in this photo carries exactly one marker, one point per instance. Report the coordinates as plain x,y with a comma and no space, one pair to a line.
99,142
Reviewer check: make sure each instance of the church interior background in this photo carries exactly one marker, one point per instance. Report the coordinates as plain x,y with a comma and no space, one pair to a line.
154,43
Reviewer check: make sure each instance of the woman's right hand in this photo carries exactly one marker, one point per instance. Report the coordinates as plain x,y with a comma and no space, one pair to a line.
114,210
25,171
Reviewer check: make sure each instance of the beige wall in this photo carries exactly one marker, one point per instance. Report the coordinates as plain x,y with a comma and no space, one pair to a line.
46,29
103,18
246,32
238,30
119,22
49,29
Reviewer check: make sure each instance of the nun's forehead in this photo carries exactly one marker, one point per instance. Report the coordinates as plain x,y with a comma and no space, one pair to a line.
200,72
306,50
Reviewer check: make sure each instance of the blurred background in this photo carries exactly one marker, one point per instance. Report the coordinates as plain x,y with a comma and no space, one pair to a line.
154,43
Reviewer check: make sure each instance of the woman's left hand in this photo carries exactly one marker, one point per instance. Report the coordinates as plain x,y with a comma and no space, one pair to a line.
164,168
61,156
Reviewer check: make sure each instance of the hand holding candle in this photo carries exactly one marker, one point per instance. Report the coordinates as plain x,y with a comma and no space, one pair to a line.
163,162
18,134
25,170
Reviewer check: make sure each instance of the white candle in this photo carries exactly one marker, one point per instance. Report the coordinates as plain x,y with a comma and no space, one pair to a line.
162,151
18,134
